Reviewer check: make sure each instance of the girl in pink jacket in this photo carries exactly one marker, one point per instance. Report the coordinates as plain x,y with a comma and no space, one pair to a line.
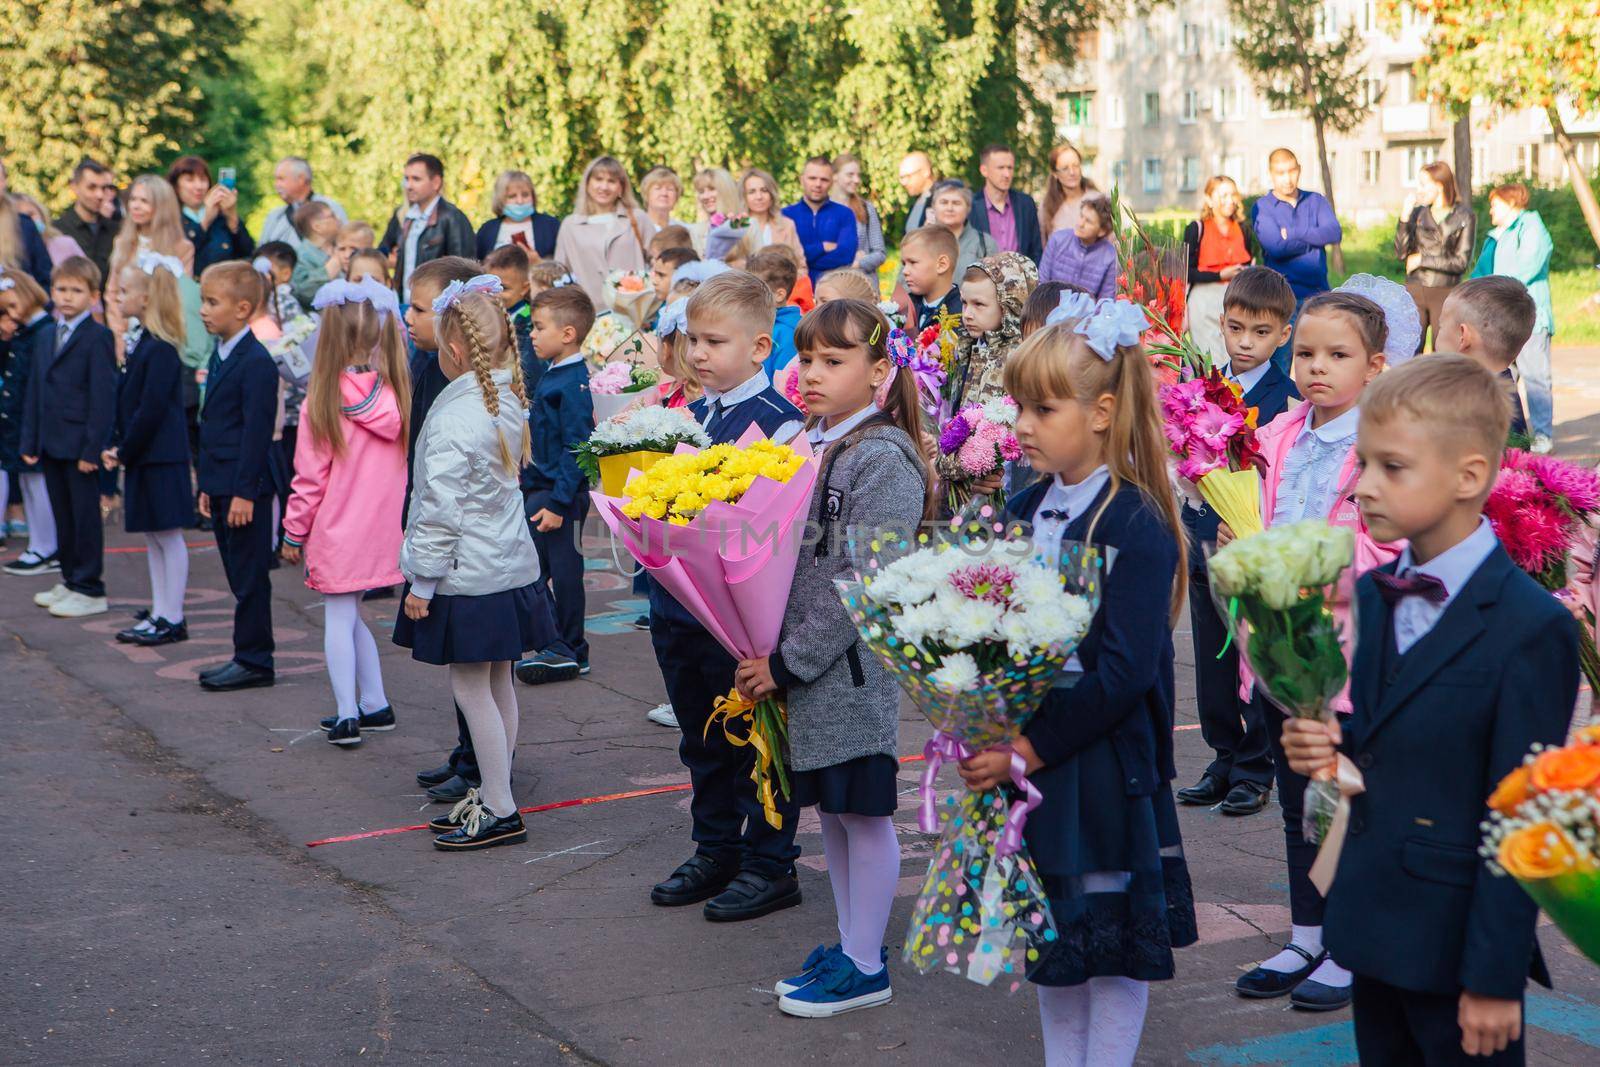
349,483
1339,347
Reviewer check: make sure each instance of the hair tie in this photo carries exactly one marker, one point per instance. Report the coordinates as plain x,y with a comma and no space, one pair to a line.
487,284
1114,324
262,265
1072,305
901,349
7,284
563,281
674,318
150,262
367,291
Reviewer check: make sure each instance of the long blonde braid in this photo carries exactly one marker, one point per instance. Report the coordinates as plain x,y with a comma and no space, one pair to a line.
478,351
519,385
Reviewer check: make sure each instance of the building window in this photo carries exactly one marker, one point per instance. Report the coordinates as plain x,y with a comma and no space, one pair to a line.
1152,174
1076,109
1115,118
1371,91
1528,160
1326,24
1191,106
1408,87
1233,167
1119,173
1152,109
1221,35
1191,174
1416,157
1371,164
1480,165
1367,16
1189,44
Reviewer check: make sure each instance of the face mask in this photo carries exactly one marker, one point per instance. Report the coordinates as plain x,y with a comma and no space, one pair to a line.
519,212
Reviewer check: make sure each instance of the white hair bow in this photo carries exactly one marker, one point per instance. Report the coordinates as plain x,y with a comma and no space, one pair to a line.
7,284
150,262
1399,314
563,281
674,318
367,291
261,265
1073,305
487,284
699,271
1115,323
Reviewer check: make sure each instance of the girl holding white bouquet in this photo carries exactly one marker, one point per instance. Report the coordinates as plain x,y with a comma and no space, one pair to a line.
1105,838
842,703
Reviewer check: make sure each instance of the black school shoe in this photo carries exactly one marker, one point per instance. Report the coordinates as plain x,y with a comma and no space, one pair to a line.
1262,984
479,828
344,732
451,790
437,776
236,676
164,633
1210,789
1246,798
697,878
751,895
382,719
547,667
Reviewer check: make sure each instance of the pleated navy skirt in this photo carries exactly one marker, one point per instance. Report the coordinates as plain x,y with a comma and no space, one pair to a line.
493,628
866,785
156,497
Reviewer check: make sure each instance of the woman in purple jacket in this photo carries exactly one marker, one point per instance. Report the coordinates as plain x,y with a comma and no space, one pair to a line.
1084,255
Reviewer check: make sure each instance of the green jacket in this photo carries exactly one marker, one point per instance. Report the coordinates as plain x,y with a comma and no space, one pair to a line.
310,273
1521,249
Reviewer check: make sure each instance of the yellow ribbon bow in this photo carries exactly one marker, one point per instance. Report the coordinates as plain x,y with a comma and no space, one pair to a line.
764,733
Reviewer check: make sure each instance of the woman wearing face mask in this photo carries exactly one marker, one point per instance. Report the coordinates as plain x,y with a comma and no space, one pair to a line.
517,219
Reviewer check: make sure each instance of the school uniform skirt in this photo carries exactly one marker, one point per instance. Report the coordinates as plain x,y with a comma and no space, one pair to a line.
866,785
157,496
492,628
1113,868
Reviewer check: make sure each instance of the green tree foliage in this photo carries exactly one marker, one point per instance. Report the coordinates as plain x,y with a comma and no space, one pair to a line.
121,81
1517,54
1300,69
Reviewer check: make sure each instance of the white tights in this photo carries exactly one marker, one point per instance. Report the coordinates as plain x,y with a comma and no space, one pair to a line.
352,656
1096,1024
488,701
168,560
864,866
36,508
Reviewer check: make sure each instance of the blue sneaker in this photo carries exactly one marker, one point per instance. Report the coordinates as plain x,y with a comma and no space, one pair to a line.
839,987
808,973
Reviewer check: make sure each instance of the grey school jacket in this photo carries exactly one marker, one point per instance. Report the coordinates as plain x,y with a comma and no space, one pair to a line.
466,528
842,703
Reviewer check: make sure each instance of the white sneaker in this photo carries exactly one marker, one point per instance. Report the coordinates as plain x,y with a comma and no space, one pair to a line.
662,715
1542,445
51,595
78,606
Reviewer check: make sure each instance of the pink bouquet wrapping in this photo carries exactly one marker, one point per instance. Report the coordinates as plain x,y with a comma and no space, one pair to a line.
720,528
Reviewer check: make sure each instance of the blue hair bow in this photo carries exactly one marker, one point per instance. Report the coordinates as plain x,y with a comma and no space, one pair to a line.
1073,305
367,291
674,318
487,284
1115,323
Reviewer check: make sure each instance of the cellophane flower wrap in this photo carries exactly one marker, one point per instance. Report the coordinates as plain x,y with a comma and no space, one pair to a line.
720,529
629,294
1153,272
612,337
636,440
619,386
936,348
975,630
1273,589
1212,434
1544,831
1537,507
982,438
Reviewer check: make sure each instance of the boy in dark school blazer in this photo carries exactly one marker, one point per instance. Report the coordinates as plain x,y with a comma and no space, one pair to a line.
555,492
236,474
741,865
1462,662
1257,316
67,420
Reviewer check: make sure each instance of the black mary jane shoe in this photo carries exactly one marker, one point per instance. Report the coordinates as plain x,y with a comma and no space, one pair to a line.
479,828
697,878
382,719
1318,996
1210,789
1262,984
751,895
1246,798
236,676
165,633
131,635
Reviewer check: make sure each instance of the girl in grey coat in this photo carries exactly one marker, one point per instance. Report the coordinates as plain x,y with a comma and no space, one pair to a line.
842,705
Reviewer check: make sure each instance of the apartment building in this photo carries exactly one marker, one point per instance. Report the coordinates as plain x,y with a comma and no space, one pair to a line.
1158,103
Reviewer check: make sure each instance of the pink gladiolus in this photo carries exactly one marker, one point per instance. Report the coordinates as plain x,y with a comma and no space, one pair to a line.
1214,427
1201,461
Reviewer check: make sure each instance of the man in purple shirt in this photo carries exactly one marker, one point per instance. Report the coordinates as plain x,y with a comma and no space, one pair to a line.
1009,216
826,227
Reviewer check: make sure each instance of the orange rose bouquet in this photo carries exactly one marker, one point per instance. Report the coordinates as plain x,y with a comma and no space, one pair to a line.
1544,831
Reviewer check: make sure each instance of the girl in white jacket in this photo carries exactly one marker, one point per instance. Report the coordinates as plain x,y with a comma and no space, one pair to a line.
474,602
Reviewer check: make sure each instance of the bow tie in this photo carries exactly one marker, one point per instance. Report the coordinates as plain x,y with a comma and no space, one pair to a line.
1395,588
1054,515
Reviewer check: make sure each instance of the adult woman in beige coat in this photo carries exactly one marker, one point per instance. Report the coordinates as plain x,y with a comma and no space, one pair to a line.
606,231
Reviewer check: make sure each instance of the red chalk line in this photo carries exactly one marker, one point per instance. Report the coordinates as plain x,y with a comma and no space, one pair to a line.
578,802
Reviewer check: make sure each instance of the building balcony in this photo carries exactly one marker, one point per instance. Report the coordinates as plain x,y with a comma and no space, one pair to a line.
1411,121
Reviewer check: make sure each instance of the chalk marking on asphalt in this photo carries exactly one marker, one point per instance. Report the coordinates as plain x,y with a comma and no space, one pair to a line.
302,737
575,850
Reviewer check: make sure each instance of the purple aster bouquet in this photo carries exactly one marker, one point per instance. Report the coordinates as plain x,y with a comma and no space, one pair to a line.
982,440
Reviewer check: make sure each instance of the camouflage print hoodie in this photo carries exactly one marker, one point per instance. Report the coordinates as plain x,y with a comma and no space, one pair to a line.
977,369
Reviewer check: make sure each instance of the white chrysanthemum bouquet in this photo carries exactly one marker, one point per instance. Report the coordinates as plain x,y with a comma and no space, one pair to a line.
636,440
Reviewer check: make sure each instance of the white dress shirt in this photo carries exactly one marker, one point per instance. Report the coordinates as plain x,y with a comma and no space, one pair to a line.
576,357
1309,486
1247,381
68,327
418,216
1414,616
225,349
1067,502
748,389
824,433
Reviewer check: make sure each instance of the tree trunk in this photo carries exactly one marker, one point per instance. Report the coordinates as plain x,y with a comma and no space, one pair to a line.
1335,251
1580,181
1462,133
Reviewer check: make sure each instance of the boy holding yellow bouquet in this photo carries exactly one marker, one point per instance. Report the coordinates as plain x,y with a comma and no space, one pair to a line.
1462,663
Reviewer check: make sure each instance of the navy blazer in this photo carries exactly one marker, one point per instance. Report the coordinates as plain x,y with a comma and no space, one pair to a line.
1127,691
1433,732
151,427
545,228
30,345
236,424
1030,238
72,396
1270,397
562,417
216,243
